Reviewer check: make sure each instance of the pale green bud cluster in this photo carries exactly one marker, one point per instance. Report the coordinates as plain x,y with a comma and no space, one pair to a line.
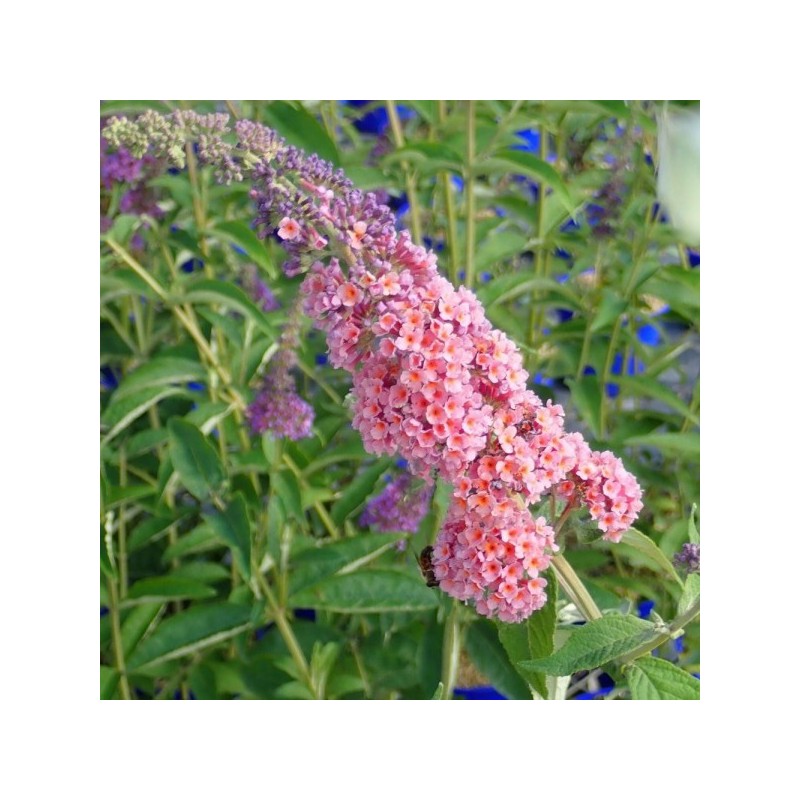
231,153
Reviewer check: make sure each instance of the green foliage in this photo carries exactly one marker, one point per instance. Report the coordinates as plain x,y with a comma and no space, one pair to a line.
655,679
533,639
490,657
195,460
368,592
595,644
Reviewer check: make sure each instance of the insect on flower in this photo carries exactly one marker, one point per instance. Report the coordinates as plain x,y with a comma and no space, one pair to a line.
425,561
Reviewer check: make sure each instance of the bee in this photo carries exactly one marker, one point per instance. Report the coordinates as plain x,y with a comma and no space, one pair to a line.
425,561
525,427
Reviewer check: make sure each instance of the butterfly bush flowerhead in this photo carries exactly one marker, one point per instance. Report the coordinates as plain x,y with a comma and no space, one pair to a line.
277,407
400,507
433,380
688,558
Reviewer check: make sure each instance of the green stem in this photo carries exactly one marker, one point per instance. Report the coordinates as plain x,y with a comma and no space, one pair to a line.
693,407
673,630
411,181
450,210
540,264
186,318
117,326
122,548
139,325
329,524
606,374
183,317
361,671
451,652
469,191
286,632
587,334
116,638
574,587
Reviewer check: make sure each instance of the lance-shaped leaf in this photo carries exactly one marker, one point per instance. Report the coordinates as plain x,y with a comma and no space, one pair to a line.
655,679
490,657
233,527
368,592
189,631
594,644
194,458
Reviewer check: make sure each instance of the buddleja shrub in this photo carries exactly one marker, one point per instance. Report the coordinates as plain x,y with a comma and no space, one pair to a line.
241,556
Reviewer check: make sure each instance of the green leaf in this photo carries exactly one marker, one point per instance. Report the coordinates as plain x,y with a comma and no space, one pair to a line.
109,678
119,284
123,227
107,555
202,682
686,445
534,638
195,459
287,488
611,307
346,555
514,638
655,679
240,234
542,623
148,530
437,695
117,495
372,591
616,108
199,540
161,371
230,295
179,186
690,594
294,690
342,684
643,385
519,284
167,587
651,551
428,157
678,287
429,656
301,129
528,164
488,655
367,178
586,395
233,527
208,415
694,536
203,571
351,450
498,247
120,107
136,624
125,410
357,492
594,644
190,631
261,676
143,441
